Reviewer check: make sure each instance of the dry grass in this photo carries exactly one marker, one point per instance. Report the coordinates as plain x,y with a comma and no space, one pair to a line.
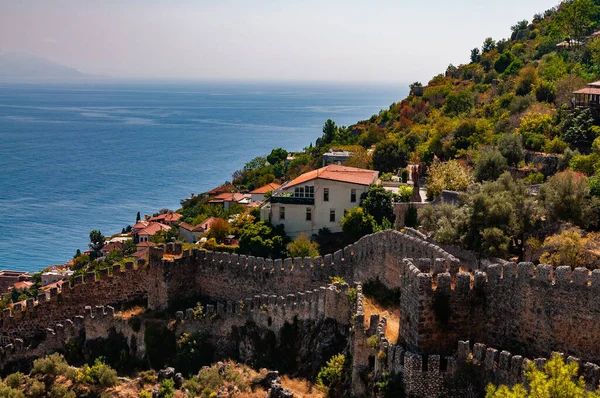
393,319
302,388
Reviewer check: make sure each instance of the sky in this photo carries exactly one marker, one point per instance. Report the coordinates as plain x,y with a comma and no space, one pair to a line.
279,40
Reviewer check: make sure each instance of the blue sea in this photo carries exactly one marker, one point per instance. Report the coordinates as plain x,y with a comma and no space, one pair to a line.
77,157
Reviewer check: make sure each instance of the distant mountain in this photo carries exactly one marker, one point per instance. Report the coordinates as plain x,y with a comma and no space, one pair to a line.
22,66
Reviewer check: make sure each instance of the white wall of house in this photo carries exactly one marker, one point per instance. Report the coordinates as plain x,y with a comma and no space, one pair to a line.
189,236
340,200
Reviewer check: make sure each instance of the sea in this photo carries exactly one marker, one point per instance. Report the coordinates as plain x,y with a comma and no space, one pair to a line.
81,156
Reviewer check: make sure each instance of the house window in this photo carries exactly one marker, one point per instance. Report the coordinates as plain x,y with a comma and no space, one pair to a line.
282,213
308,214
310,191
299,192
332,215
325,194
353,195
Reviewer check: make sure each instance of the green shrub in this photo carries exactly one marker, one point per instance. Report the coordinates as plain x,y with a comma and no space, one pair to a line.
145,394
98,374
373,342
556,145
60,391
36,389
53,365
533,179
330,375
411,217
14,380
489,166
166,389
511,147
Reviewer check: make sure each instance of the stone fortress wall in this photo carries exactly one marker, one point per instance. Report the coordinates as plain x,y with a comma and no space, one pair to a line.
267,312
529,310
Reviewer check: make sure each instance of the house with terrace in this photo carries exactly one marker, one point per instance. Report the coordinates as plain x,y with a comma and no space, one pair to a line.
318,199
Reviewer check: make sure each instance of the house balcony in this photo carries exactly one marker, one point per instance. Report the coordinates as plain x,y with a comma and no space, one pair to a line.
290,200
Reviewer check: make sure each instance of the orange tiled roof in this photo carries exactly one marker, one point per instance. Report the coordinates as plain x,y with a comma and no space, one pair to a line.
266,188
23,285
229,197
189,227
167,217
335,172
207,224
153,228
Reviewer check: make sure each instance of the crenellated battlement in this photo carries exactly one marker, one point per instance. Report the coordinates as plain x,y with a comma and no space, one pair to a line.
501,367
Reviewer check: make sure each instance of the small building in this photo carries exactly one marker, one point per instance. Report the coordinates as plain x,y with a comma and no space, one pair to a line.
55,275
113,246
167,218
588,97
258,195
8,278
139,226
229,199
190,233
23,285
318,199
335,157
146,234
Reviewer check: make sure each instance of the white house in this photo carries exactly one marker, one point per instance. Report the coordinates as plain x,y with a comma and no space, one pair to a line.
318,199
55,275
258,195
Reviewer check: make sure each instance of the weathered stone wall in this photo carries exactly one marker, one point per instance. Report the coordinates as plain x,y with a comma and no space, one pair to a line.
490,365
526,309
114,286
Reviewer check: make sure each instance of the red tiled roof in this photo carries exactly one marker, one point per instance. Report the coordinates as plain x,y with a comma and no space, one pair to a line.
589,90
266,188
109,247
207,224
167,217
153,228
229,197
335,172
191,228
23,285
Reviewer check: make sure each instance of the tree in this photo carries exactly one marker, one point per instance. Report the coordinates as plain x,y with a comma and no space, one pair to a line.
356,223
256,163
390,156
576,127
96,240
277,156
450,175
459,102
518,30
528,78
262,240
570,247
504,61
489,165
511,147
138,217
329,130
565,197
545,91
377,202
302,246
475,55
219,229
576,17
488,45
557,380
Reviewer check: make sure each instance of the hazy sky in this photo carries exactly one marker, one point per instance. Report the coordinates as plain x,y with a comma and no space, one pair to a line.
333,40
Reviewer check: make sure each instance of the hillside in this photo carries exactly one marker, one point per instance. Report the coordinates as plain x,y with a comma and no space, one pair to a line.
22,66
522,84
